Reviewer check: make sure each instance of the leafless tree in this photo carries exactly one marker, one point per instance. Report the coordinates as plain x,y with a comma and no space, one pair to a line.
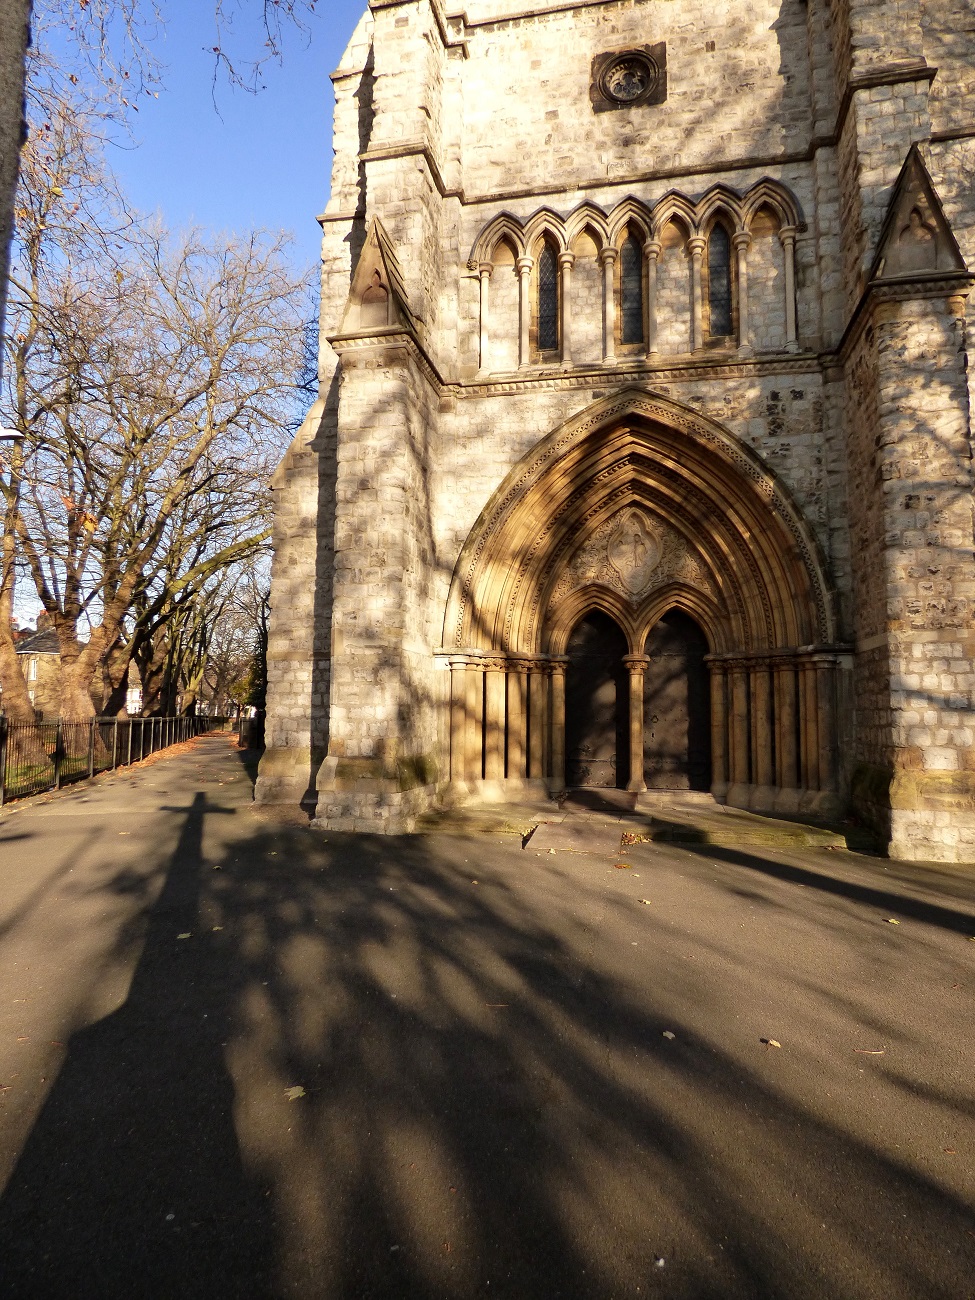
153,379
112,47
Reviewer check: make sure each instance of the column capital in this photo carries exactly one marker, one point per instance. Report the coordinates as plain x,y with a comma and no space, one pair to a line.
696,245
485,269
566,261
741,239
652,249
787,235
608,255
523,265
634,662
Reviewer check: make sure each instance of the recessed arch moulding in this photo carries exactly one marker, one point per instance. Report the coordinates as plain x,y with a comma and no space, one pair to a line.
635,507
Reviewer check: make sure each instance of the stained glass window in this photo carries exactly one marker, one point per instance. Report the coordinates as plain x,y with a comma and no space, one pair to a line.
719,281
548,300
631,291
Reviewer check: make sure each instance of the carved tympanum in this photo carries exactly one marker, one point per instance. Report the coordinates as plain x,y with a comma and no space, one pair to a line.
634,552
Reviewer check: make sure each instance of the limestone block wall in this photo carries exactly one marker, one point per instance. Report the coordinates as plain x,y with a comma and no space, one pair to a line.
299,663
526,89
673,293
587,305
946,41
504,316
766,279
911,467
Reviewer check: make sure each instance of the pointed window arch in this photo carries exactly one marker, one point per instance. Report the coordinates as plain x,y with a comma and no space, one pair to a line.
631,291
548,299
720,319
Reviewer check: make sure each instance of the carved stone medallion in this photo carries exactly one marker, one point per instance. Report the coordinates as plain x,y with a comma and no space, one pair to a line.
633,550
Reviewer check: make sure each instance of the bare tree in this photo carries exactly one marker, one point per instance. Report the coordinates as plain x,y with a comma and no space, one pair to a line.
112,42
153,379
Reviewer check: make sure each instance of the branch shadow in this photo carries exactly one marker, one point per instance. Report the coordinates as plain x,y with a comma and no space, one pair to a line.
371,1072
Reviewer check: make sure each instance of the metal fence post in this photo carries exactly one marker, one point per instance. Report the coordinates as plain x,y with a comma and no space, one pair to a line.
58,753
3,761
91,748
115,744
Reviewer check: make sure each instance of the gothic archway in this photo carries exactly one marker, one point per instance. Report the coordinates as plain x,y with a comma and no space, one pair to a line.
638,506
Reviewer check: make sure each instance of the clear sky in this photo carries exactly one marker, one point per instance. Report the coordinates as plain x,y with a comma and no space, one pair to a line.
251,161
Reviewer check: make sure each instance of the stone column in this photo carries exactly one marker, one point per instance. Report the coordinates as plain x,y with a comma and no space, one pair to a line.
719,731
787,236
651,251
517,720
607,260
484,273
473,719
829,805
738,790
809,733
557,773
637,664
537,703
494,720
763,794
458,713
566,263
523,266
740,241
786,755
696,246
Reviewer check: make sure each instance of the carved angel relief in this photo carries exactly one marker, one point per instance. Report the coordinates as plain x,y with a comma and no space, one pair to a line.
633,553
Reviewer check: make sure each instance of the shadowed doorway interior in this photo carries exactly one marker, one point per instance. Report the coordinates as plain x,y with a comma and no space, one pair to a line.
677,713
596,704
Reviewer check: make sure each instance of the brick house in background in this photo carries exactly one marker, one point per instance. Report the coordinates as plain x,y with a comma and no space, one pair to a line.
642,454
39,656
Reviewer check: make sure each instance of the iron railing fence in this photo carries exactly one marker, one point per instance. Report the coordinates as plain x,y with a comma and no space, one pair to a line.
39,756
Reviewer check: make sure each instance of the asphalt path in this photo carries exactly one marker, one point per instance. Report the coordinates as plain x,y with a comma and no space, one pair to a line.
241,1058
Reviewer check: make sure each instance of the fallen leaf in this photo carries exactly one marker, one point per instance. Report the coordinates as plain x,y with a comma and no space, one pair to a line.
870,1051
187,934
622,866
892,921
551,850
950,1151
771,1042
645,900
669,1034
294,1093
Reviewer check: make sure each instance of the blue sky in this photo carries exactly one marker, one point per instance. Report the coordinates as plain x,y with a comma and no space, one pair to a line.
253,160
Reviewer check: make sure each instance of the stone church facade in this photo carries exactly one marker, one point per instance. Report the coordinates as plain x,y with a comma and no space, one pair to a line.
642,455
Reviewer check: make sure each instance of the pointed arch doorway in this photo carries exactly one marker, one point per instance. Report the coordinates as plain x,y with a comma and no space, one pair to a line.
676,706
596,704
637,507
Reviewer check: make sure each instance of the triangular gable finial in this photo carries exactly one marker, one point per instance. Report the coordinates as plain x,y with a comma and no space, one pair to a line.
916,238
377,296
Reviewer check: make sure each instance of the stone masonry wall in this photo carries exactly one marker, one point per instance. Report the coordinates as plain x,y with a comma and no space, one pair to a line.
915,584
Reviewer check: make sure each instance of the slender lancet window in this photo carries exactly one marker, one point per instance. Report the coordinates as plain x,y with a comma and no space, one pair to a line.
631,291
548,300
719,281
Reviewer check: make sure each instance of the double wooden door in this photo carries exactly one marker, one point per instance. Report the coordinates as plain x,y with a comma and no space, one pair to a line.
676,745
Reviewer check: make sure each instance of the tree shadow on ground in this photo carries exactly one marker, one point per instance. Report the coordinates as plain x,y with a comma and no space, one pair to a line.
366,1075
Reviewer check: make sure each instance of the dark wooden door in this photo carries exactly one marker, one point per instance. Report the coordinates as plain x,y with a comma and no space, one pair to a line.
677,706
596,705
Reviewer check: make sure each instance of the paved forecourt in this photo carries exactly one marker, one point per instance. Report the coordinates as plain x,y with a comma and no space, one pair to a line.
240,1058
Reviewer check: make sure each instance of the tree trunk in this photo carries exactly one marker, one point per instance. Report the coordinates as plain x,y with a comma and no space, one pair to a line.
16,701
116,678
151,661
14,37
